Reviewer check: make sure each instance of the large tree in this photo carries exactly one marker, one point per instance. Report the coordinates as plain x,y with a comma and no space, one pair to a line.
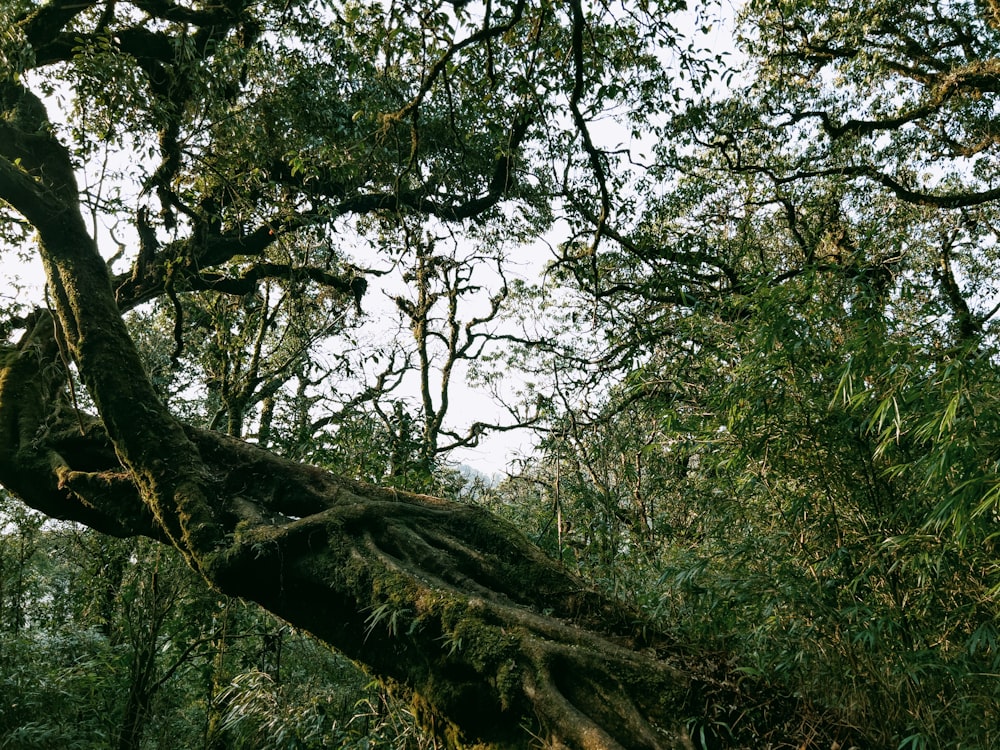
216,171
223,149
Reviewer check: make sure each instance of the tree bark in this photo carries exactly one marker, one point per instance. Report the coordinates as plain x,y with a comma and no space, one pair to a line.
494,640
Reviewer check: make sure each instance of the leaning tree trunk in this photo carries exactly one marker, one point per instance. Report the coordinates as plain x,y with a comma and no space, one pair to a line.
494,640
496,643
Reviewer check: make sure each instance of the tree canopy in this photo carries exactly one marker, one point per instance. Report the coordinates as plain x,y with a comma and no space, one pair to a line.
760,359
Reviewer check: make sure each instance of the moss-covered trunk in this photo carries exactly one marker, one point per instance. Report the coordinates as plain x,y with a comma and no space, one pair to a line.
494,641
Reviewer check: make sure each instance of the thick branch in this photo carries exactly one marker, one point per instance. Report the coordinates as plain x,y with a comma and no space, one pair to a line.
46,458
428,593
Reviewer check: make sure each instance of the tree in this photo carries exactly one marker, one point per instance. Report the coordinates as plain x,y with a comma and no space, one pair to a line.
258,130
796,285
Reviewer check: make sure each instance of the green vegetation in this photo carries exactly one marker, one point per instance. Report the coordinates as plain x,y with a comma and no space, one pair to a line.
758,356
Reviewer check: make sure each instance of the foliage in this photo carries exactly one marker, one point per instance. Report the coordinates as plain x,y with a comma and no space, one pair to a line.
762,364
69,669
787,449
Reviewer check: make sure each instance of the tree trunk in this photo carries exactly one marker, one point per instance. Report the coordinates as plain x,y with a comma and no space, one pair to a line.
496,643
493,639
140,697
